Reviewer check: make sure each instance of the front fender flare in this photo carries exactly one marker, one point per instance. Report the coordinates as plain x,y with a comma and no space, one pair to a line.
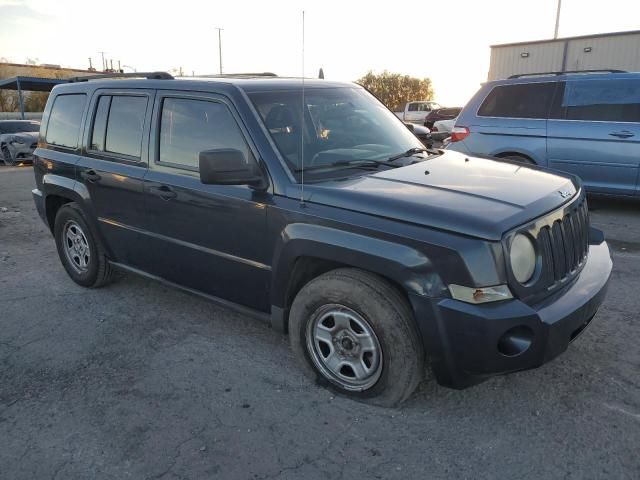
404,265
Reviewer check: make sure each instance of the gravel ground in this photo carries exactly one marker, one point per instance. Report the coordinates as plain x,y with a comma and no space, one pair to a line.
137,380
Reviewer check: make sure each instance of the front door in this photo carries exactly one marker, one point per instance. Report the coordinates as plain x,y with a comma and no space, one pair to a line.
206,237
112,166
597,134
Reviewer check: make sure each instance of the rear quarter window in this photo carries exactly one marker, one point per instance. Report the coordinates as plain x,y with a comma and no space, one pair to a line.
530,100
64,120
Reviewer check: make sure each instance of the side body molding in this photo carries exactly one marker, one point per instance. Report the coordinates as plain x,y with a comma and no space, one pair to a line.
403,264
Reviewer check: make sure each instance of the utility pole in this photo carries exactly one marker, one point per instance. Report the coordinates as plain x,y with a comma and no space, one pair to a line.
555,35
220,47
104,67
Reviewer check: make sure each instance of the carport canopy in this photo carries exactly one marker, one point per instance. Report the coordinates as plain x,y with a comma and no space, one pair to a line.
32,84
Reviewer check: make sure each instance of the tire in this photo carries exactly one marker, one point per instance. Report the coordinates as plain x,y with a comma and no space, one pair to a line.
6,157
350,297
87,264
519,158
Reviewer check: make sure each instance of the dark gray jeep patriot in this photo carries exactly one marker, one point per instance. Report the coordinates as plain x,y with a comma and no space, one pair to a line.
316,209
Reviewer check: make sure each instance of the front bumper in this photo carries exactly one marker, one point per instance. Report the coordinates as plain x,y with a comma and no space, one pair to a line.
466,343
21,152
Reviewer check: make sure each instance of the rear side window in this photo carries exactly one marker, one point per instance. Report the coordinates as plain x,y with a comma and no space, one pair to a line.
530,100
602,100
118,124
64,120
189,126
413,107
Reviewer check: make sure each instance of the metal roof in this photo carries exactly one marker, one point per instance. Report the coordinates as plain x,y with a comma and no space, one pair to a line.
564,39
34,84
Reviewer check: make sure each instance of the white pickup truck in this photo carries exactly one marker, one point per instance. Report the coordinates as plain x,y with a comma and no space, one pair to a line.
417,111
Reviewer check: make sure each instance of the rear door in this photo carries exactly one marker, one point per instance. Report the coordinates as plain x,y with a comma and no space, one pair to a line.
596,134
210,238
112,167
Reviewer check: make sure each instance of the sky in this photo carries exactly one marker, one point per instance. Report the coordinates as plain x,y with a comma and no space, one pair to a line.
447,41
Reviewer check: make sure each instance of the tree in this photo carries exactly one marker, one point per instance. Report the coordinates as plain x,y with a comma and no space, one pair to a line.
394,89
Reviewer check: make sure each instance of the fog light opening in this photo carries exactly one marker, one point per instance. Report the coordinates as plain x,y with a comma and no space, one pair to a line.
515,341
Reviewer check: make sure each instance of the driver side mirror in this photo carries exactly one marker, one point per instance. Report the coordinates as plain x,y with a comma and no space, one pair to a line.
228,166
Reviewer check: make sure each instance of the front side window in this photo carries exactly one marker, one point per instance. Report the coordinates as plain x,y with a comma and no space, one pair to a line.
602,100
118,125
64,120
190,126
528,100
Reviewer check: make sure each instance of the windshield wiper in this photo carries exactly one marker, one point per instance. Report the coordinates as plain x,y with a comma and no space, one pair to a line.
411,152
349,164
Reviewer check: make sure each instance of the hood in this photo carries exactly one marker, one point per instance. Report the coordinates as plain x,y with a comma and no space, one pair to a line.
25,137
473,196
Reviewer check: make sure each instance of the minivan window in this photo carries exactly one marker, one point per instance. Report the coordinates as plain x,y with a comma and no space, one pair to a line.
603,100
64,120
529,100
190,126
125,124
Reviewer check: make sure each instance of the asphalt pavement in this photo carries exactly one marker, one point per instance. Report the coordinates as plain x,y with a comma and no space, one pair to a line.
138,380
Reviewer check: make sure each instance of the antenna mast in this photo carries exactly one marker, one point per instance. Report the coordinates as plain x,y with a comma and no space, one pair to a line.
302,121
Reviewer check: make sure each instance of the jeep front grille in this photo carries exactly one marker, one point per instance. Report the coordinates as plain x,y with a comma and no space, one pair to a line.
564,244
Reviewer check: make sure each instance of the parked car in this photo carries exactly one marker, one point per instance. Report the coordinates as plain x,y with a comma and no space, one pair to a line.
18,140
442,129
379,258
416,112
441,114
587,124
423,134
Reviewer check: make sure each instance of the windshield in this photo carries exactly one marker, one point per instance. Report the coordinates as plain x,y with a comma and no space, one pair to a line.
341,125
19,127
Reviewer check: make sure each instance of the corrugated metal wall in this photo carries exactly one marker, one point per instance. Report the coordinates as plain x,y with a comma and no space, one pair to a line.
614,52
620,52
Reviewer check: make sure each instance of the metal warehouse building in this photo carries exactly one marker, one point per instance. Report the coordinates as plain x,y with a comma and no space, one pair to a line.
619,50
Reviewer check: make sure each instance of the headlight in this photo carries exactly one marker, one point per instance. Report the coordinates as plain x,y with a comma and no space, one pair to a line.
522,256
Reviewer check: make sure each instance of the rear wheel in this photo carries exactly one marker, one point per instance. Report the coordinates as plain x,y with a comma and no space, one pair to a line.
355,333
519,158
80,252
6,156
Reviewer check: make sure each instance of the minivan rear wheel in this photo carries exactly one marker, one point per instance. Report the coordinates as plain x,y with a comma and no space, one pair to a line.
354,332
518,158
80,252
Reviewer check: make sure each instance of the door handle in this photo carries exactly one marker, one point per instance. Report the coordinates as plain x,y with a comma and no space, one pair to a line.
622,134
90,176
164,192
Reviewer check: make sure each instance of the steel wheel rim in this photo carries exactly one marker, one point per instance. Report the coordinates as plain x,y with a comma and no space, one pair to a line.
344,347
76,247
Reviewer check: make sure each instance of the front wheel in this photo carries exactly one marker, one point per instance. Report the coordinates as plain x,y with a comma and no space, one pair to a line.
354,332
6,156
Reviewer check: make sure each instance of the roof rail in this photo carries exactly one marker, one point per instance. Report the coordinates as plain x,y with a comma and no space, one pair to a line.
147,75
232,75
565,72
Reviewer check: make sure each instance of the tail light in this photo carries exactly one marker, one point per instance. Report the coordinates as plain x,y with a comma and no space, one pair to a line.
459,133
434,129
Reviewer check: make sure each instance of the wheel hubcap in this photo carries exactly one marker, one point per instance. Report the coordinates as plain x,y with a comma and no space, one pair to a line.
76,247
344,347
